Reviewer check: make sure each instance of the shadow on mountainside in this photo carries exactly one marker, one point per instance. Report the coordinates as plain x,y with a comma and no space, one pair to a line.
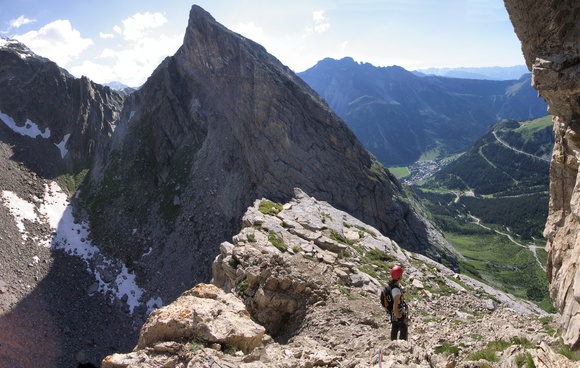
47,318
59,325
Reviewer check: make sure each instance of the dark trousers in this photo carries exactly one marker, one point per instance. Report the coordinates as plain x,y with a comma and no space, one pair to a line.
399,328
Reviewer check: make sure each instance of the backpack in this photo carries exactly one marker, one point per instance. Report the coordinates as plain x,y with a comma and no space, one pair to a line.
387,298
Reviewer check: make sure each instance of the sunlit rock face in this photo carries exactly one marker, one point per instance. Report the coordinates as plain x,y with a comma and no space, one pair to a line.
550,36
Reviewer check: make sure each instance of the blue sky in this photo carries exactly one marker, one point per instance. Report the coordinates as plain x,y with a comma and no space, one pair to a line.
124,40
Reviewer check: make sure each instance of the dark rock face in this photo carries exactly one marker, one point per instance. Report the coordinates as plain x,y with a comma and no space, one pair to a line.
47,317
549,32
78,111
217,125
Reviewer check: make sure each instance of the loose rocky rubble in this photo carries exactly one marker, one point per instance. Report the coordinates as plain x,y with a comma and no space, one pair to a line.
298,288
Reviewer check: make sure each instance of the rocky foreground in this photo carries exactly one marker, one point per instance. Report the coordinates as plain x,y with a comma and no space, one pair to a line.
297,287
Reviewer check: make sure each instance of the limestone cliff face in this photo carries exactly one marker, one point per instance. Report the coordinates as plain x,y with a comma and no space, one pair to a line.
550,34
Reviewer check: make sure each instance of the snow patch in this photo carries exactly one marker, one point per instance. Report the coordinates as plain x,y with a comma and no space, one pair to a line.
62,145
22,51
20,209
148,252
29,129
154,303
54,209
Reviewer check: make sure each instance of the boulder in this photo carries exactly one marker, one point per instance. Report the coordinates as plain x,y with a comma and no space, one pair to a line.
205,313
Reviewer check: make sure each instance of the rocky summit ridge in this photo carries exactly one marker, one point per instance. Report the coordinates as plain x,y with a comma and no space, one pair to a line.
297,287
149,184
167,173
218,124
76,117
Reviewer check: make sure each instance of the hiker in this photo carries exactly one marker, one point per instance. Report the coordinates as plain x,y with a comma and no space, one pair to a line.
399,320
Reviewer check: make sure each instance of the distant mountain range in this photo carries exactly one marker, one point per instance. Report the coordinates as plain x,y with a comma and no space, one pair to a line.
120,87
400,117
486,73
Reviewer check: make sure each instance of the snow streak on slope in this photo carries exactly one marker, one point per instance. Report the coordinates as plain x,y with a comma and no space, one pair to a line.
31,129
112,277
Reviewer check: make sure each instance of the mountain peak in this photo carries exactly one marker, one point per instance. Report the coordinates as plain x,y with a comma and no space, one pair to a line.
222,116
18,47
210,45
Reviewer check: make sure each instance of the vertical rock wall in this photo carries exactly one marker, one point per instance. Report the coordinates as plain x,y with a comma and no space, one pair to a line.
550,36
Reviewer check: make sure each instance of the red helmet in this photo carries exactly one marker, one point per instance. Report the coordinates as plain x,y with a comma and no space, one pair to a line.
397,272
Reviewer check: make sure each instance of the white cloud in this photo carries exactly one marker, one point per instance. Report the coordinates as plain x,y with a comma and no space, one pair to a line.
131,65
139,25
100,73
106,35
318,16
134,60
322,27
20,21
57,41
108,53
321,22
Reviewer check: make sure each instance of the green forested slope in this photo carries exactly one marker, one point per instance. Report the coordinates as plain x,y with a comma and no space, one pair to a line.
492,204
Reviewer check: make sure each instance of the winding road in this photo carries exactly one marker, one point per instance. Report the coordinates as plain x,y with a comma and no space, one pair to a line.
517,150
531,247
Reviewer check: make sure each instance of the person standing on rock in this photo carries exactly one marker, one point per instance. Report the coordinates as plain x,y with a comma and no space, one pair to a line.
399,320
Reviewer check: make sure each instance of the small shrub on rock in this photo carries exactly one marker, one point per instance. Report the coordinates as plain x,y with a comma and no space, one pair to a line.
277,241
269,208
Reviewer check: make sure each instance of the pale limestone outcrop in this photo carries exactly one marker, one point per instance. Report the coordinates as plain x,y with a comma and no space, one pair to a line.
207,313
278,287
550,34
319,304
202,315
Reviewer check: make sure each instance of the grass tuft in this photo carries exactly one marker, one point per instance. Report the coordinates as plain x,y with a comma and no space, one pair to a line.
525,360
277,241
336,236
447,348
269,208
